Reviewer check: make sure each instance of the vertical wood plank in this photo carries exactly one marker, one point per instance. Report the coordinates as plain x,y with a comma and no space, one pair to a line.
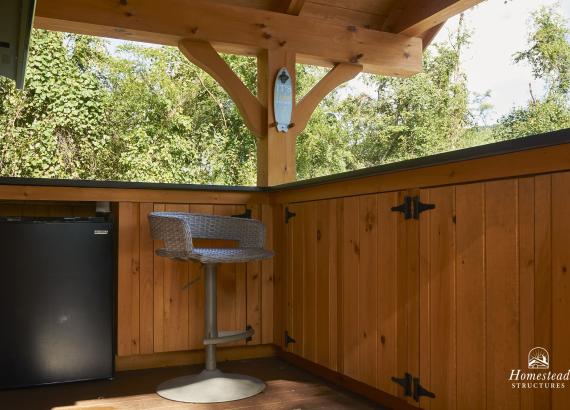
543,275
309,281
333,263
296,277
323,284
350,268
159,265
411,253
442,298
470,262
196,292
267,277
226,284
280,266
128,286
425,249
404,281
388,240
367,288
175,298
560,356
502,316
146,281
254,292
526,230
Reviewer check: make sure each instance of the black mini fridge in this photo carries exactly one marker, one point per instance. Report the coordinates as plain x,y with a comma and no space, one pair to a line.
56,300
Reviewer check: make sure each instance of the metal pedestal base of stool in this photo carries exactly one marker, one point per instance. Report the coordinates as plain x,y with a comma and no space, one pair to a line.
211,385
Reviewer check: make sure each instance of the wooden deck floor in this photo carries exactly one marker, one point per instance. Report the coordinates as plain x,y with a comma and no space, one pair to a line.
288,387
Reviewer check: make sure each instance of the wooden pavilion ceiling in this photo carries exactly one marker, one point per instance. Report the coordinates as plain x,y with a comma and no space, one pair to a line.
384,36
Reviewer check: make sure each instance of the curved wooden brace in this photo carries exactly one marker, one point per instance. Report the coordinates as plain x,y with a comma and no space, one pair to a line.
203,55
339,74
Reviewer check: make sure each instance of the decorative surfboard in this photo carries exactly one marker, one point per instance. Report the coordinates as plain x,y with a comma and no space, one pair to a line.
283,100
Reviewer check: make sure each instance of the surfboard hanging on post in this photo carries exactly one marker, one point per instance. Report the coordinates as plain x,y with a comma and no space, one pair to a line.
283,100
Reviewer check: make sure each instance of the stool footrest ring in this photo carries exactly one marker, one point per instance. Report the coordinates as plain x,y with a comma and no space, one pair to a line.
230,336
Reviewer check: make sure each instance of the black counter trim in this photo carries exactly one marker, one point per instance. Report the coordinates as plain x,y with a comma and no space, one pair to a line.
499,148
489,150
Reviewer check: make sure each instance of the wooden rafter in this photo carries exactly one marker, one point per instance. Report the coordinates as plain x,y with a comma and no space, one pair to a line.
340,74
414,17
234,29
204,56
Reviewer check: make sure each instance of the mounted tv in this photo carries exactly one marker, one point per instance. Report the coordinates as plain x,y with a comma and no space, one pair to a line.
16,18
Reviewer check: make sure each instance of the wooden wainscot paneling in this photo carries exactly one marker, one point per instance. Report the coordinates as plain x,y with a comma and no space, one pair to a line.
456,295
158,312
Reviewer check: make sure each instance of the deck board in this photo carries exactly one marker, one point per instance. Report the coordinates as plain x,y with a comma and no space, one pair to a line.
288,387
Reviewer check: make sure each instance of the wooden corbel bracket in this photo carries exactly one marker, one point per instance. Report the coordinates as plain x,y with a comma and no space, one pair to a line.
202,54
338,75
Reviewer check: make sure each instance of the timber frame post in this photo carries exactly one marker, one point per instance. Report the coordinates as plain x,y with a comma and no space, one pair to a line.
276,152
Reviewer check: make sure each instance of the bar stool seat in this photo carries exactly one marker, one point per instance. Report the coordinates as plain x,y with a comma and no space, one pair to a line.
222,255
177,229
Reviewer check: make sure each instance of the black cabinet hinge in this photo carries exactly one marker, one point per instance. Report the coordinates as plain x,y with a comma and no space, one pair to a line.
419,391
246,214
405,207
406,383
289,214
288,339
420,207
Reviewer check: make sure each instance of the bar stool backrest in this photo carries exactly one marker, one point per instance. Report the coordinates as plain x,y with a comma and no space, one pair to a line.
177,229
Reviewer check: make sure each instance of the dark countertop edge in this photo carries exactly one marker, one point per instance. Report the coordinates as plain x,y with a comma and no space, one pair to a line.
80,183
504,147
545,140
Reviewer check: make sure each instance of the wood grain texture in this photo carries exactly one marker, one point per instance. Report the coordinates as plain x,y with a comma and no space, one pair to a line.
560,283
368,289
471,290
276,158
388,314
128,280
350,268
146,282
235,29
543,274
309,281
438,304
526,229
502,315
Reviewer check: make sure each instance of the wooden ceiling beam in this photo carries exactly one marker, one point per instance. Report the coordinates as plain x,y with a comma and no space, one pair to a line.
415,17
234,29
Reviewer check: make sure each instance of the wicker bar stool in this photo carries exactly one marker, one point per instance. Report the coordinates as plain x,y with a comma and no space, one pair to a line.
177,229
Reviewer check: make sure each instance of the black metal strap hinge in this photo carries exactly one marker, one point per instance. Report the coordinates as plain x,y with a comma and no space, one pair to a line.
419,391
288,339
405,207
246,214
406,383
289,214
420,207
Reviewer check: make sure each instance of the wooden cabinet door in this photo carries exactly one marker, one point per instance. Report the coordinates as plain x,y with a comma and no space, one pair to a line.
493,285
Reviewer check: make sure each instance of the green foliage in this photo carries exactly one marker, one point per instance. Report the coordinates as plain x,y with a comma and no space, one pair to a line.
549,51
549,57
144,113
